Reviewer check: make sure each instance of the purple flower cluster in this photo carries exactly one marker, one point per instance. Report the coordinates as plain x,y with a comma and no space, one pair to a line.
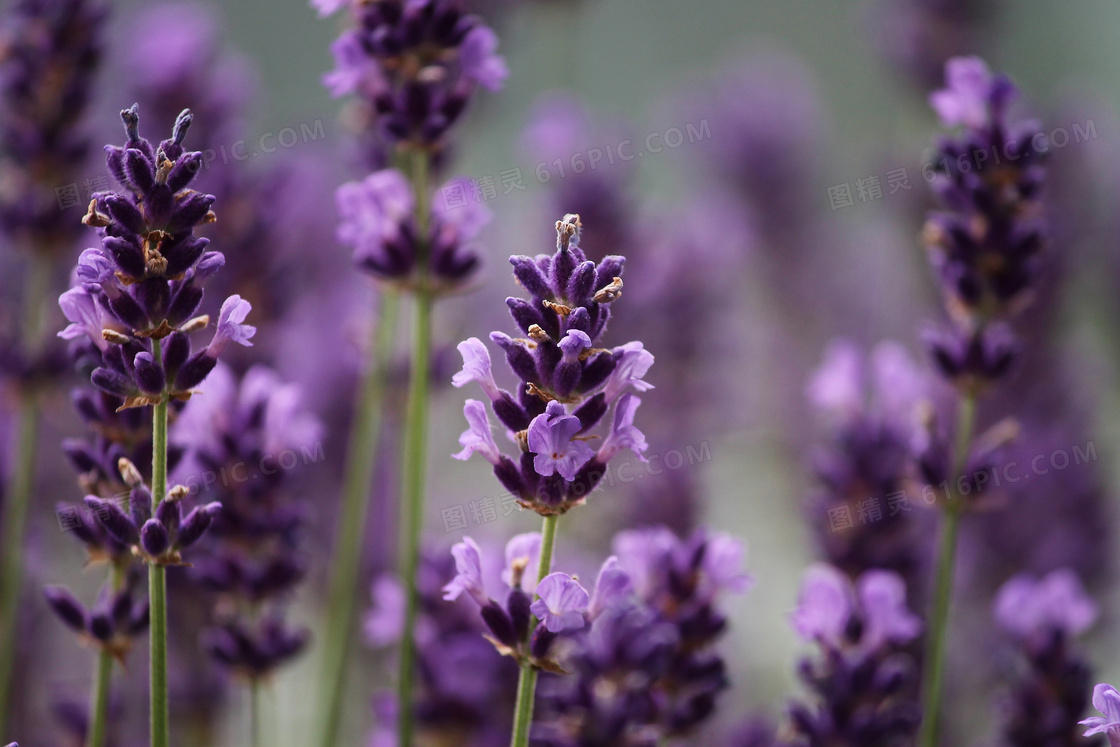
643,671
864,676
51,51
158,536
144,283
251,558
414,64
988,243
1050,679
869,405
567,383
563,605
113,621
379,223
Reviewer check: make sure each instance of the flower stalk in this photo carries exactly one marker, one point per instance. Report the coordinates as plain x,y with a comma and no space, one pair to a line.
99,701
934,670
415,455
157,577
527,681
360,461
18,500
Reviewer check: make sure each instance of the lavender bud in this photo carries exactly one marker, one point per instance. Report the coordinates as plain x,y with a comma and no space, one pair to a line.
64,604
153,538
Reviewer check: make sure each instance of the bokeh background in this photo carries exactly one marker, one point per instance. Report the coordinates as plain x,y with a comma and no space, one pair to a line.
797,97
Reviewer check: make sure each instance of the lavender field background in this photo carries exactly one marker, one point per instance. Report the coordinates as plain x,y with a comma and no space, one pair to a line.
755,280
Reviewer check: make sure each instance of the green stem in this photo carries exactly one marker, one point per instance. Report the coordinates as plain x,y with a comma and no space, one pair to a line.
360,459
934,666
99,701
18,499
157,578
413,505
527,681
415,449
255,715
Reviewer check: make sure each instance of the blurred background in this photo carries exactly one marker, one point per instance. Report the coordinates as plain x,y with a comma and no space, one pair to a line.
771,201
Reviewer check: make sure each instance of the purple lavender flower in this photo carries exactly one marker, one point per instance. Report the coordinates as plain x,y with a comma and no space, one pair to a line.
52,51
644,669
1033,609
869,407
158,538
378,222
113,621
864,677
568,383
415,65
1106,700
988,244
562,603
1050,688
551,439
253,551
147,234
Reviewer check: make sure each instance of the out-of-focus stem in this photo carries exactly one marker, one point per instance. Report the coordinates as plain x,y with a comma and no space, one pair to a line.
415,454
99,700
157,578
934,665
255,708
527,681
360,459
18,496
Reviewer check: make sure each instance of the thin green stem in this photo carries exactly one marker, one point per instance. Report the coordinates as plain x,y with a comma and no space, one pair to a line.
255,709
934,666
415,448
157,578
18,498
412,508
99,700
527,681
360,459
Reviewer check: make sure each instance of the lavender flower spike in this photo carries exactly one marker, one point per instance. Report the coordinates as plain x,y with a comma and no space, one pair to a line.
1106,699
